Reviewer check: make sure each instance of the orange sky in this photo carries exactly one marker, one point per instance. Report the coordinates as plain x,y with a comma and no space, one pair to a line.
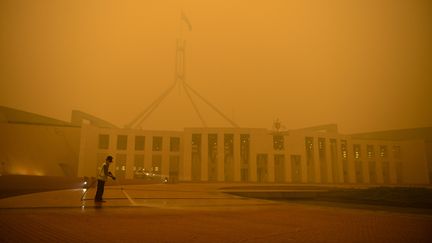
363,64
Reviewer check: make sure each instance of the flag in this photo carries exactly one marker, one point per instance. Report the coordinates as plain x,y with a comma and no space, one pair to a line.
186,20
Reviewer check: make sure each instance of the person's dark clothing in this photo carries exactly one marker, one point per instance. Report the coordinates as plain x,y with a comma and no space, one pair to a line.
100,190
102,177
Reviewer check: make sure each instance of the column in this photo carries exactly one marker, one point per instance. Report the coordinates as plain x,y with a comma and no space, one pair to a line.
365,165
339,161
271,167
186,173
220,156
252,158
204,157
351,165
303,162
288,167
165,156
392,165
316,161
148,149
130,156
329,164
236,145
379,163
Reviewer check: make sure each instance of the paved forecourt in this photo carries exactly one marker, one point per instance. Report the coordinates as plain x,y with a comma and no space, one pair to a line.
173,196
195,213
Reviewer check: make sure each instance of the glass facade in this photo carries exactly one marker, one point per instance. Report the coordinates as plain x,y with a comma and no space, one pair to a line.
325,160
310,160
344,150
103,141
157,144
262,167
370,150
334,160
120,165
121,142
296,171
139,143
174,144
156,164
229,157
398,162
244,157
278,142
358,163
212,157
196,157
174,168
322,159
279,168
138,166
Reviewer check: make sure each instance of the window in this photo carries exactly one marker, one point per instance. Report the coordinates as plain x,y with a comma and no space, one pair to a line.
139,166
156,164
370,151
157,143
244,148
356,148
322,148
334,160
262,167
386,171
139,142
120,165
310,160
196,157
121,142
372,172
383,151
344,149
174,144
322,159
212,157
278,142
296,172
279,167
309,144
397,152
103,141
229,157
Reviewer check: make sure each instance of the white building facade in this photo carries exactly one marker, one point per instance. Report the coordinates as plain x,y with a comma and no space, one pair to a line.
32,144
253,155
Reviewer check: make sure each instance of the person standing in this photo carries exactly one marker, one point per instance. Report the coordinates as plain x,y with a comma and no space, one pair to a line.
102,176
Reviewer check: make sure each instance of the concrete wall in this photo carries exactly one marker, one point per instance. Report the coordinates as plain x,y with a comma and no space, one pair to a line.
39,149
429,159
415,167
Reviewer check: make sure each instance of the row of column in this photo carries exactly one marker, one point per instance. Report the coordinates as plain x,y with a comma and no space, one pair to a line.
333,167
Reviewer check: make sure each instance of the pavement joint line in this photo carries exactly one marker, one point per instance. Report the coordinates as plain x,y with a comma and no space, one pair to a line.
136,204
72,207
128,197
175,198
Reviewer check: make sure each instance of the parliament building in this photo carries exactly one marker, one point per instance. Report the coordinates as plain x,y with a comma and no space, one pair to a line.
38,145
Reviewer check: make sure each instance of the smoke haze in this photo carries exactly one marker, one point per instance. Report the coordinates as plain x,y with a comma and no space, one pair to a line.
365,65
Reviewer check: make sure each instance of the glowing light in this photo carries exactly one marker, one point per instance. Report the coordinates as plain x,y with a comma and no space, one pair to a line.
24,170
